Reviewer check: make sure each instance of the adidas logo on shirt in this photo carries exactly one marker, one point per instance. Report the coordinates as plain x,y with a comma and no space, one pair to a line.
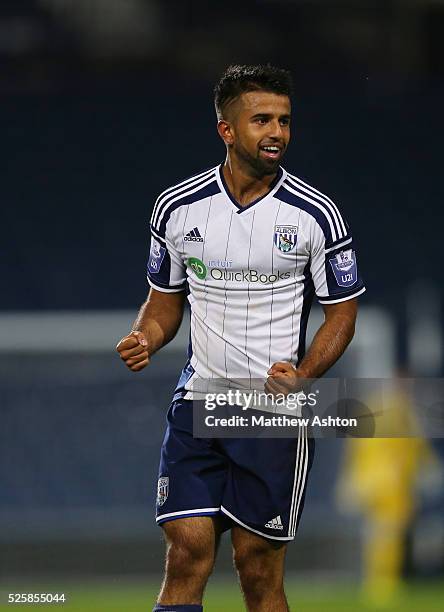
275,523
193,236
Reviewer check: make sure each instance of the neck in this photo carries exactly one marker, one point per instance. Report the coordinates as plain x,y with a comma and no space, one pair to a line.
243,185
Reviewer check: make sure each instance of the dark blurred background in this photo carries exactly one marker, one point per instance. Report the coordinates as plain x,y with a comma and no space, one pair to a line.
105,103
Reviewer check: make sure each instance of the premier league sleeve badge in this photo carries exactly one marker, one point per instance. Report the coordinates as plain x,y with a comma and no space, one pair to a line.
157,253
345,268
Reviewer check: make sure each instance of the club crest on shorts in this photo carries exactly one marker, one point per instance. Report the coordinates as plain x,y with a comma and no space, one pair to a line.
285,237
345,268
162,490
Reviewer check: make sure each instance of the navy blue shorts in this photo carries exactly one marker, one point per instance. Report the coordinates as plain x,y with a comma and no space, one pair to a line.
258,483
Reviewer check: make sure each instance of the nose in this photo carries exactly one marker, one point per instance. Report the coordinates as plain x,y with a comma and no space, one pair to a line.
275,129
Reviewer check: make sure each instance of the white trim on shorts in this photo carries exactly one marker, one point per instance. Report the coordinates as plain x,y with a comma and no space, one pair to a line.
264,535
300,479
186,513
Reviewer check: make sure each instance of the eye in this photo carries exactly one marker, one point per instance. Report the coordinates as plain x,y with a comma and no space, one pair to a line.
285,121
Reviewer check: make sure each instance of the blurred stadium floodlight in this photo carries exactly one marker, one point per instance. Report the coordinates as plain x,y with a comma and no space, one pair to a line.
71,331
372,350
81,437
127,28
376,344
424,333
372,354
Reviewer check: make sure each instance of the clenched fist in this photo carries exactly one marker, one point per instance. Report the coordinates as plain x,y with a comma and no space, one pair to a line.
283,377
133,349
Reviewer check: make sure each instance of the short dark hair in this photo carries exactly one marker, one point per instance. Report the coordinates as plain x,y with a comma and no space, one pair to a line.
238,79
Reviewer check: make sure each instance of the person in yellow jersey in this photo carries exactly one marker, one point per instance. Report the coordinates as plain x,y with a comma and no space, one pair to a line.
378,480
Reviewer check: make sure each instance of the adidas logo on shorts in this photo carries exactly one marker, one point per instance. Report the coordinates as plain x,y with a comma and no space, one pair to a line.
275,523
193,236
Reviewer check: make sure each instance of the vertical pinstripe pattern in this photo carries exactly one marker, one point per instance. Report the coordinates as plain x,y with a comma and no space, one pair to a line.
248,299
225,297
307,296
272,289
183,228
296,288
259,293
205,282
193,360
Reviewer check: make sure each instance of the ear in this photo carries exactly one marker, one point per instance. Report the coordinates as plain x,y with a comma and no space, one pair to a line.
225,131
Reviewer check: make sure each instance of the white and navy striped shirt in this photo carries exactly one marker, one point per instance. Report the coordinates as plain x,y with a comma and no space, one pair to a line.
251,271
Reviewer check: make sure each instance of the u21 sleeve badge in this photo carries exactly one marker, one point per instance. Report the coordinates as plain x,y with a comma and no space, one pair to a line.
345,268
157,253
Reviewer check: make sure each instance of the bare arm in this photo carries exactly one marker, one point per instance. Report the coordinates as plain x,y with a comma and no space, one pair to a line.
329,343
331,339
158,320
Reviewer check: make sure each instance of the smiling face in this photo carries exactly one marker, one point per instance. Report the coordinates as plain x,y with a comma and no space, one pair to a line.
256,130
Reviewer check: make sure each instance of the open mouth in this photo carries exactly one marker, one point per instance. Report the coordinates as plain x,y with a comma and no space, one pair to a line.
271,151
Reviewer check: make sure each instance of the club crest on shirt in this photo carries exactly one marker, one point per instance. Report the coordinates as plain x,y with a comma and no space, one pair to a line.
157,253
285,237
345,268
162,490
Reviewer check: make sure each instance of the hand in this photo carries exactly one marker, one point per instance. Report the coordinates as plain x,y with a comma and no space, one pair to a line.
133,350
283,378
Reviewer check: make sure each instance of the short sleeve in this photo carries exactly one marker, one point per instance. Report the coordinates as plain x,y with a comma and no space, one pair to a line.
165,268
334,268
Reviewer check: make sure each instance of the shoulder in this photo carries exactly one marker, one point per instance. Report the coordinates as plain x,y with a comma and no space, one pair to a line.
190,184
191,181
318,205
186,191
